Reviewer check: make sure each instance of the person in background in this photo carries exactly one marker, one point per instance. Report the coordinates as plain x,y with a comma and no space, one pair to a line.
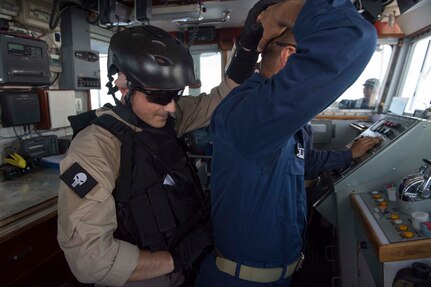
131,211
258,201
371,89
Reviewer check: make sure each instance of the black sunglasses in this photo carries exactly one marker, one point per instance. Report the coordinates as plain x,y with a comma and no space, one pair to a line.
161,97
283,44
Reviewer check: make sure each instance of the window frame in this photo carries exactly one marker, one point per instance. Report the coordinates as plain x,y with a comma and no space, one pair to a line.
381,96
196,52
409,46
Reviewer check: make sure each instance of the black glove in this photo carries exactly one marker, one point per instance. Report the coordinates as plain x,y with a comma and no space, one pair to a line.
244,61
252,31
188,250
242,65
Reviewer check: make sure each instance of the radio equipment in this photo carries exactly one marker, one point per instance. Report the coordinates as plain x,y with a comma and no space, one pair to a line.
37,147
19,108
24,61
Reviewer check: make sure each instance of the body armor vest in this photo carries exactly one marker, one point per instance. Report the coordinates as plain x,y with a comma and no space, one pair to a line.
158,195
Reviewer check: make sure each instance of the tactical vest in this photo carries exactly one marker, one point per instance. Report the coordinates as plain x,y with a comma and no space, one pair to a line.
158,195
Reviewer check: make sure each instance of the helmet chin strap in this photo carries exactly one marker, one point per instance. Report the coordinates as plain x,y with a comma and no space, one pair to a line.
112,89
128,96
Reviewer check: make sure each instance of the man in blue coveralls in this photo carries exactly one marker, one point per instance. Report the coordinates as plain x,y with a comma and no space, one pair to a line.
257,185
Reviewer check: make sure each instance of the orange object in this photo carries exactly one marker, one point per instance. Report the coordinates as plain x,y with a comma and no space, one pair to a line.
384,30
403,227
408,234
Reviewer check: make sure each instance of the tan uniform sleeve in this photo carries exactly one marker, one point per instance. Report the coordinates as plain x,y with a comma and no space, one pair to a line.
195,112
86,225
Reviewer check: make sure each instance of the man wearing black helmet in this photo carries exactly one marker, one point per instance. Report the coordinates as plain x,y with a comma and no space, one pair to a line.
130,208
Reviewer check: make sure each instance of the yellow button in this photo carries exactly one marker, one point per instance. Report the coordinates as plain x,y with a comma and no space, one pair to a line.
408,234
384,203
403,227
394,216
375,196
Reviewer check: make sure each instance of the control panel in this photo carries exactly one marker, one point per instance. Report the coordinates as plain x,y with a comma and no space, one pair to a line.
396,225
82,72
405,142
388,129
88,83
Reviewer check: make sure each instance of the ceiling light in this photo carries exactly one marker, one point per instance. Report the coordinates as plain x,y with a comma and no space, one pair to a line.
201,20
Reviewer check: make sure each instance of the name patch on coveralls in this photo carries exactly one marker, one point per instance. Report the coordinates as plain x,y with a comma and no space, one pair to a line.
299,150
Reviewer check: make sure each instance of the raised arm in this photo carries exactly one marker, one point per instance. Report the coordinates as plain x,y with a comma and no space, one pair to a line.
335,44
195,112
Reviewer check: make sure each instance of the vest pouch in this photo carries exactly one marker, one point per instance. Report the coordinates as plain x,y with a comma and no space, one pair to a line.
187,213
152,214
186,200
126,225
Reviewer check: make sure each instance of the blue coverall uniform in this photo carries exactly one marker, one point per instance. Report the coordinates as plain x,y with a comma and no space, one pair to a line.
257,181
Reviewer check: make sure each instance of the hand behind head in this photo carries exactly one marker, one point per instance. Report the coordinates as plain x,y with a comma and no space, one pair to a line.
276,18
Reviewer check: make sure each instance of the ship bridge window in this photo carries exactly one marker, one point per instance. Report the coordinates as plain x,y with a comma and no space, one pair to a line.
99,97
416,79
366,91
208,69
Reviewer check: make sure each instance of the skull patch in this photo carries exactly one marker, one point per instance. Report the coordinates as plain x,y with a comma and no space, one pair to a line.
78,179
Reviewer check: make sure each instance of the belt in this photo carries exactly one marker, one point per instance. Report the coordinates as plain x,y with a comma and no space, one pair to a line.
256,274
310,183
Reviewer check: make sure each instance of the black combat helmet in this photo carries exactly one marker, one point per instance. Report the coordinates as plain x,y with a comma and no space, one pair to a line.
151,58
